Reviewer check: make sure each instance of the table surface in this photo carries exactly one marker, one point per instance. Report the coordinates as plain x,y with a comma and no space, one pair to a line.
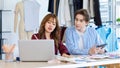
4,64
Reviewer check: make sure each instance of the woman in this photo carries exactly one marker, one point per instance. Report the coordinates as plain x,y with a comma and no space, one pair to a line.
49,29
81,39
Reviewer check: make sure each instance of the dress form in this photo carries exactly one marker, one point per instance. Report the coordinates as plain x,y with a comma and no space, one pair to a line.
19,20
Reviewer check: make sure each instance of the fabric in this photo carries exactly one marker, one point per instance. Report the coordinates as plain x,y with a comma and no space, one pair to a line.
90,38
31,12
51,6
64,13
108,36
44,4
62,32
80,40
62,49
93,7
88,4
57,6
71,11
78,4
97,17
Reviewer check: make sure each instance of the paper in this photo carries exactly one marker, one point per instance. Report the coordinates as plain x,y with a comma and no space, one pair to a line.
72,59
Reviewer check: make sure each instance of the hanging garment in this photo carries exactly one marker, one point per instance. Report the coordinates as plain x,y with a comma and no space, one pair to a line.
31,12
108,36
43,10
78,4
64,13
51,6
57,6
71,11
88,4
97,17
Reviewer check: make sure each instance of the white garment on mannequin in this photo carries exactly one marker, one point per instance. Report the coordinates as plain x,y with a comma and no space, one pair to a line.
19,21
31,13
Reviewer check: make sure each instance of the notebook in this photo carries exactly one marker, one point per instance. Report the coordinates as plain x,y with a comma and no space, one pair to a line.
36,50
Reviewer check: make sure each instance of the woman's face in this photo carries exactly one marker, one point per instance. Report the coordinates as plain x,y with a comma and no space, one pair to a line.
80,23
50,25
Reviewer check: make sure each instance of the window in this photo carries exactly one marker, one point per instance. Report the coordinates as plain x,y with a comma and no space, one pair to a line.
110,11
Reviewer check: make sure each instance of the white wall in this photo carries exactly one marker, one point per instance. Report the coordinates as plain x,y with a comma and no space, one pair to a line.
8,7
8,4
1,4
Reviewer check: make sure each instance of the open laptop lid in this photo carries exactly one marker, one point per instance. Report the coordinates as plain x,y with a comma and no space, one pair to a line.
36,50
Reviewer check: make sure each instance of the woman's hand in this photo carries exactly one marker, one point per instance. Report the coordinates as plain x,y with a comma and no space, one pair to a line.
66,55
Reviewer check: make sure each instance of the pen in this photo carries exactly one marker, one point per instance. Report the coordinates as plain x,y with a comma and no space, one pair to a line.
35,37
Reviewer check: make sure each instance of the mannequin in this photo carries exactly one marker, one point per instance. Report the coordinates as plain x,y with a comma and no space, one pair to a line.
26,19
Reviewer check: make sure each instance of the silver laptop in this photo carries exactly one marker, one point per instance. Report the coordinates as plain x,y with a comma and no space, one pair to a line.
36,50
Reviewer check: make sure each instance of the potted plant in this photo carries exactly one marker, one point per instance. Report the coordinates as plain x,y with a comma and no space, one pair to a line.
118,20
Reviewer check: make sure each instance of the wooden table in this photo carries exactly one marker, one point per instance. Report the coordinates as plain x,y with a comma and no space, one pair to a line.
109,62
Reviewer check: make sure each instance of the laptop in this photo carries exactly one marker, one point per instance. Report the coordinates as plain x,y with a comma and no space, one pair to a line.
36,50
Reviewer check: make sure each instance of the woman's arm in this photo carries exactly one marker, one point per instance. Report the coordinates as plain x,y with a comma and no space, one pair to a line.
62,49
35,36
